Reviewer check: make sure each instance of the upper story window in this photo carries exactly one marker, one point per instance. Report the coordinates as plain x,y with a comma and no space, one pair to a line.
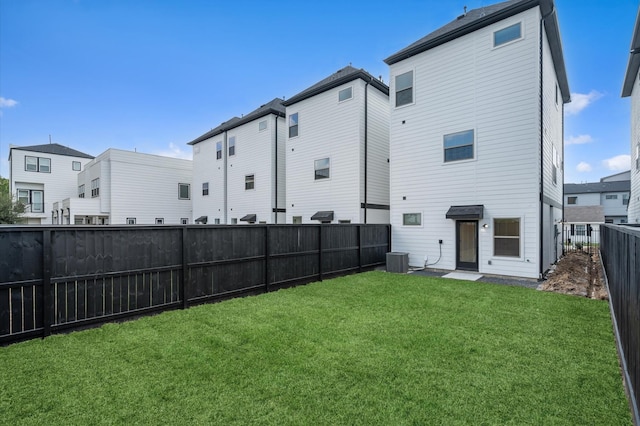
555,164
37,164
95,187
232,146
184,191
76,166
249,182
638,156
625,200
218,150
293,125
404,88
81,191
611,196
262,125
572,200
205,188
505,35
506,237
322,168
412,219
458,146
345,94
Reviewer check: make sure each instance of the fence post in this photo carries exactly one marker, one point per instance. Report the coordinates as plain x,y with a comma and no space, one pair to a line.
359,248
47,312
266,257
184,294
320,252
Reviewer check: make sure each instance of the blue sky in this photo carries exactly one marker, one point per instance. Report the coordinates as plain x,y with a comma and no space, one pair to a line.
154,75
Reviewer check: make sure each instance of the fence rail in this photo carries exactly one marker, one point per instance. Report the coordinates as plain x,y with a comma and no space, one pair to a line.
620,252
67,277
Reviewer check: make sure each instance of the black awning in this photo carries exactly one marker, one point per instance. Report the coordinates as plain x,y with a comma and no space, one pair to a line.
248,218
465,212
201,219
326,216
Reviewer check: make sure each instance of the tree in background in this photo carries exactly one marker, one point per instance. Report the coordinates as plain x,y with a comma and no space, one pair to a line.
10,211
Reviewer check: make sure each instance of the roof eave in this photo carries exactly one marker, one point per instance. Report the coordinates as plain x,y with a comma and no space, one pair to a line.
634,60
555,43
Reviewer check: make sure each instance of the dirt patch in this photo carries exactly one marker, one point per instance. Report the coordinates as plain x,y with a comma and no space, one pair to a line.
578,273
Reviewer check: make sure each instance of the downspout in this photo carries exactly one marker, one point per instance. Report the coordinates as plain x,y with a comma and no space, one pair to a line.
276,171
366,134
541,226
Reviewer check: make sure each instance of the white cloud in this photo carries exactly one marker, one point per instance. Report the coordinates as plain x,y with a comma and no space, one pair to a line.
580,101
174,151
578,140
618,163
583,167
7,103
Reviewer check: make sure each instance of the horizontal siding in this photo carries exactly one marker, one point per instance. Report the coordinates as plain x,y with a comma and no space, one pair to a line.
634,199
462,85
206,168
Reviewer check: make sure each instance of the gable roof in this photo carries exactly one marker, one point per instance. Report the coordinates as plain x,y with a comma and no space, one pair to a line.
52,148
336,79
634,60
273,107
584,214
482,17
597,187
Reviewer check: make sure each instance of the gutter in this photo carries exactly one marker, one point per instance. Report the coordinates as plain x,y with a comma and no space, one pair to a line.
276,172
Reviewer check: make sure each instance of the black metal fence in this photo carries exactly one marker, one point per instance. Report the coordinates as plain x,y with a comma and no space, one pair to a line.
581,237
68,277
620,251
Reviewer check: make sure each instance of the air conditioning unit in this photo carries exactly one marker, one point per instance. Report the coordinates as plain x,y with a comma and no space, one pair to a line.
398,262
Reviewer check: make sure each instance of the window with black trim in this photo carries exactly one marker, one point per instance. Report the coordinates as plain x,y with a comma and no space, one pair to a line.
232,146
159,220
345,94
32,199
95,188
322,168
184,221
184,191
458,146
81,191
508,34
249,182
572,200
76,166
404,88
131,221
506,237
205,188
218,150
37,164
293,125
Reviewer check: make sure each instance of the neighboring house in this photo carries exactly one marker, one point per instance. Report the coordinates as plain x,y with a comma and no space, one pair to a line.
239,169
477,142
338,150
582,222
612,195
127,188
42,174
631,88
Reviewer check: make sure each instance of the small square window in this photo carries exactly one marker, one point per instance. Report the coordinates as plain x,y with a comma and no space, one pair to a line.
159,221
205,188
216,221
345,94
505,35
131,221
293,125
234,220
458,146
572,200
249,182
76,166
404,88
412,219
297,220
218,150
184,221
232,146
322,169
184,191
262,125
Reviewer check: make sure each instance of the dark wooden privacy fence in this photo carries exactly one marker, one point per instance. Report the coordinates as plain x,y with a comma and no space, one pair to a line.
620,251
69,277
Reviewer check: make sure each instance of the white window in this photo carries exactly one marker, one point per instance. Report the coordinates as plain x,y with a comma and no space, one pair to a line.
262,125
131,221
297,220
232,146
218,150
293,125
625,200
184,191
404,88
234,220
506,237
581,230
217,221
412,219
95,187
159,220
505,35
76,166
345,94
205,188
184,221
81,191
638,156
458,146
556,163
322,168
249,182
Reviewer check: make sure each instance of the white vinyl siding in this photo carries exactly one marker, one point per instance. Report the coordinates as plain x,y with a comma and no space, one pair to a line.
634,199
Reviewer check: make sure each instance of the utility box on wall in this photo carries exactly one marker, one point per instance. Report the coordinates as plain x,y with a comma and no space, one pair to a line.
398,262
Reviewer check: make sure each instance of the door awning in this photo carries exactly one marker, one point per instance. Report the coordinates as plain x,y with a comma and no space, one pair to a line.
201,219
248,218
323,216
465,212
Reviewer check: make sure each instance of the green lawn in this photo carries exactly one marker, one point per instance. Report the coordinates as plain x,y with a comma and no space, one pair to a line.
373,348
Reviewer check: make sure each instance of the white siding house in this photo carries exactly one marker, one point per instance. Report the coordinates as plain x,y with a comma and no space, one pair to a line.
239,169
477,142
125,188
631,88
43,174
337,150
612,195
